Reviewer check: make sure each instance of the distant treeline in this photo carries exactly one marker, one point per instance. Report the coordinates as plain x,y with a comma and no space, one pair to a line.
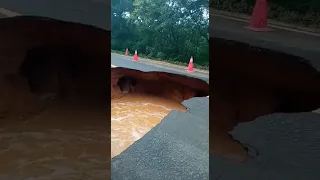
160,29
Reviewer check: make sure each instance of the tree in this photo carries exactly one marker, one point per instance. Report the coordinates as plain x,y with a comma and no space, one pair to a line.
163,29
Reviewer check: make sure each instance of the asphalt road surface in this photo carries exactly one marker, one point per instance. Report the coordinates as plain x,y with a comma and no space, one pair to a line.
299,44
93,12
126,61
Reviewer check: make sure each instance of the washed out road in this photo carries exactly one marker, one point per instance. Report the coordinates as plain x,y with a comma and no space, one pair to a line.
177,148
179,141
288,144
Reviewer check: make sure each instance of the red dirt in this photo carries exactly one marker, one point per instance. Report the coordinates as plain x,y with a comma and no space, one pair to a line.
171,86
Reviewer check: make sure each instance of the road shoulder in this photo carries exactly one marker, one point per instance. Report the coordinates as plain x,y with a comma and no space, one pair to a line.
150,61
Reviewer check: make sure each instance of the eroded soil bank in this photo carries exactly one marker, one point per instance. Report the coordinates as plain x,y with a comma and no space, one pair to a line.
171,86
247,82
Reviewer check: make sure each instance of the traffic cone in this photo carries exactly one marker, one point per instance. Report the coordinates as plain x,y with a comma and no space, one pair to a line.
259,19
127,52
190,66
135,56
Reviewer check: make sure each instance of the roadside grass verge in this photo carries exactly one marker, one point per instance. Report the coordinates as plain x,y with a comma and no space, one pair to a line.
202,67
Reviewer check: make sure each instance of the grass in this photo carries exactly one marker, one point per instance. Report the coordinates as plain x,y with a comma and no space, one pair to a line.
202,67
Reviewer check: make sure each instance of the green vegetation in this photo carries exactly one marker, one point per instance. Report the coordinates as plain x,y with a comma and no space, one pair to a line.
301,12
168,30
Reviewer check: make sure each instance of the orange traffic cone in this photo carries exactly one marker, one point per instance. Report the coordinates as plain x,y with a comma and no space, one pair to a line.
259,21
135,56
190,66
127,52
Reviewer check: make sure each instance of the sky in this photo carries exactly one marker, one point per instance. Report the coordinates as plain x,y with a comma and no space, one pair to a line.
205,14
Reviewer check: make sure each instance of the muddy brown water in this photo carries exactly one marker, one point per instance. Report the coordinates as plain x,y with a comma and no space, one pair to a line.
71,140
66,141
133,115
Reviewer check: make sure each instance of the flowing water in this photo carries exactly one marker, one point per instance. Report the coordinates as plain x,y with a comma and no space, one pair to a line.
132,116
72,140
63,142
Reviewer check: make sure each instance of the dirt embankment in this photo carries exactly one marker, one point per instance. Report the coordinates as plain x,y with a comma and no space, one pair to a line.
247,82
171,86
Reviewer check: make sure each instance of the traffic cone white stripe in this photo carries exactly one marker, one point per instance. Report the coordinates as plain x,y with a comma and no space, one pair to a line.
190,66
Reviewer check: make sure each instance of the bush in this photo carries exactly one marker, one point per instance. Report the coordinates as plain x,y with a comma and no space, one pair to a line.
161,55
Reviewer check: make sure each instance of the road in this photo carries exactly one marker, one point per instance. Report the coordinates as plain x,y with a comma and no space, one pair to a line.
303,45
94,12
126,61
289,144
